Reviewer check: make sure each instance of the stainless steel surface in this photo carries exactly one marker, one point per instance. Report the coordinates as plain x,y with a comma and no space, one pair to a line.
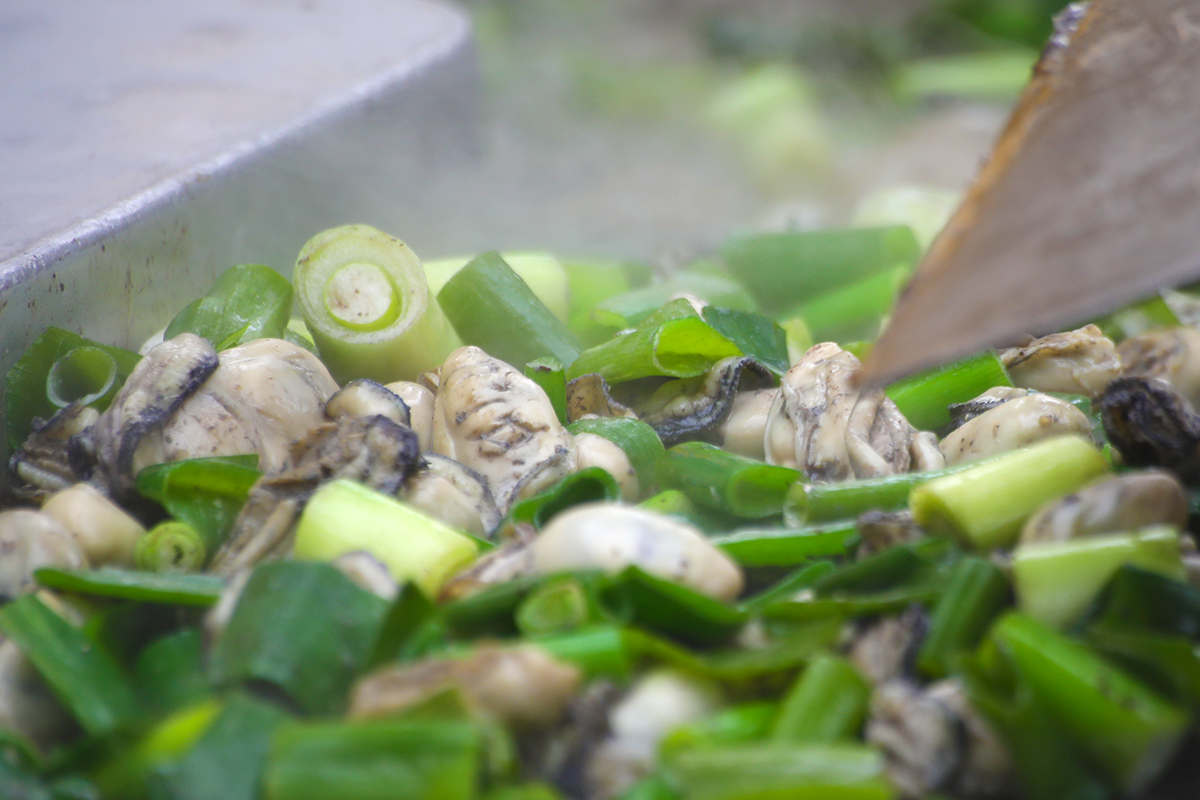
146,146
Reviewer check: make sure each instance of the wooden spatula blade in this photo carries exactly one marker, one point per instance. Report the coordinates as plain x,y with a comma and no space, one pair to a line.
1091,196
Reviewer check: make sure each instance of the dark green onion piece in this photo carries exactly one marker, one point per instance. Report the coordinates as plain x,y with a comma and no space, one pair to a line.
26,385
171,547
554,607
680,347
788,586
227,762
86,375
387,760
85,678
142,587
1167,663
761,770
491,307
778,547
206,493
548,373
1139,598
756,336
639,441
652,788
884,570
304,627
526,791
1047,767
1124,730
675,503
815,503
670,609
169,673
854,311
826,704
924,398
726,482
976,591
596,649
632,308
247,302
488,612
585,486
408,612
783,269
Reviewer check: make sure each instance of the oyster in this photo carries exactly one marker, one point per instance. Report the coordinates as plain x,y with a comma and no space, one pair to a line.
452,493
1018,422
492,419
419,401
30,540
1112,505
695,408
1081,361
365,398
1152,425
743,429
1169,354
825,426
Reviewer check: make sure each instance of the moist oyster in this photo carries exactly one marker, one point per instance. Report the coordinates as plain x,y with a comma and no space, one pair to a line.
694,408
1013,424
1152,425
1112,505
1081,361
1169,354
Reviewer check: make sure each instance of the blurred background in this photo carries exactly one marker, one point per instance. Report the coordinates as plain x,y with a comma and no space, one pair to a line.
678,122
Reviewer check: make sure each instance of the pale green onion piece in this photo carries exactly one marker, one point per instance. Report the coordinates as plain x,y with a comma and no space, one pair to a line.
84,375
344,516
170,547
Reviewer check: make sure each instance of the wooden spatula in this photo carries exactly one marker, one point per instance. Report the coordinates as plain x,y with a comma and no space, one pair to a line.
1091,197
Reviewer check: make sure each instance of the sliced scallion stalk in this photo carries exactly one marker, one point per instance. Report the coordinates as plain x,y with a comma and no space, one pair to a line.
632,308
366,303
170,546
755,335
826,704
554,607
745,722
247,302
85,678
545,276
726,482
778,547
84,375
681,347
585,486
27,383
855,310
976,591
344,516
669,608
639,441
491,307
206,493
169,672
924,398
984,506
549,374
305,628
1057,581
144,587
783,269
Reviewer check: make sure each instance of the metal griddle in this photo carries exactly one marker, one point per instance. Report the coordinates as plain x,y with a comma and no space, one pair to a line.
145,147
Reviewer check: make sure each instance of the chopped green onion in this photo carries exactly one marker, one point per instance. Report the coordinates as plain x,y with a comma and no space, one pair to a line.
756,336
558,606
491,307
395,759
344,516
170,547
1125,731
745,722
855,310
206,493
1138,598
29,381
596,649
247,302
682,347
227,761
826,704
585,486
632,308
85,375
779,547
783,269
726,482
812,503
85,678
976,591
407,614
924,398
639,441
1057,581
145,587
669,608
169,672
545,276
365,301
305,628
984,506
549,374
760,770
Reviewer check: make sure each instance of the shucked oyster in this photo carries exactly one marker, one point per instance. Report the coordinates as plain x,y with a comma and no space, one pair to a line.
1152,425
490,418
683,410
1013,424
1082,361
1170,354
825,426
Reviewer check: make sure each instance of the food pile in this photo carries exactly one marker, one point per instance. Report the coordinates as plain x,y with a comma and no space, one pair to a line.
518,527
